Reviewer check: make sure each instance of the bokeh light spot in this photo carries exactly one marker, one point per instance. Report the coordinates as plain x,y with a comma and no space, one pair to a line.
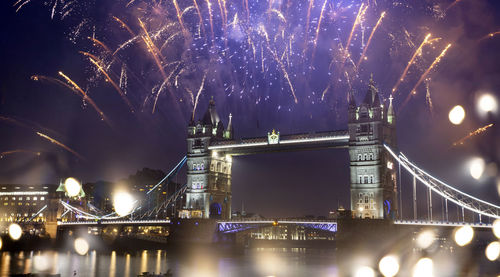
496,227
464,235
123,203
487,103
81,246
423,268
72,187
476,168
15,231
364,271
425,239
457,115
493,251
388,266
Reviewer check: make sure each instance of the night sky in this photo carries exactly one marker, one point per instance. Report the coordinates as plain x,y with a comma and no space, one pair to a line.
244,69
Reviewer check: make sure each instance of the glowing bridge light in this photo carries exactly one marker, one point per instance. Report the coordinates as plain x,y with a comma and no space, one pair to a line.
123,203
496,228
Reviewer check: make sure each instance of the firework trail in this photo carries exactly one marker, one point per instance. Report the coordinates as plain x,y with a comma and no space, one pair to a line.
317,29
117,88
405,71
10,152
200,24
210,18
422,78
198,94
306,36
472,134
153,49
370,39
361,13
285,74
451,5
179,17
53,141
123,25
100,43
167,80
428,98
490,35
15,122
85,97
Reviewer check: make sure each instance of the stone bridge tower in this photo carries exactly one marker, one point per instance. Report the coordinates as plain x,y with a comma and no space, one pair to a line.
373,174
208,192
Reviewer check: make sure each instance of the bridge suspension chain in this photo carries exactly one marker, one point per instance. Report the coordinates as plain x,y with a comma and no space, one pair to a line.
462,199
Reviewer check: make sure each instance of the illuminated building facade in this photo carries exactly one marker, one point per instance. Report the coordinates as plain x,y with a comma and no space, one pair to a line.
372,169
26,202
208,192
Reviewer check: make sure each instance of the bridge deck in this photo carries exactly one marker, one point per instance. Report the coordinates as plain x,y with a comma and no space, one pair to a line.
331,139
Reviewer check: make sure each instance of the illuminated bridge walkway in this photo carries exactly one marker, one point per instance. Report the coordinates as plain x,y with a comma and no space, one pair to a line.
242,225
319,140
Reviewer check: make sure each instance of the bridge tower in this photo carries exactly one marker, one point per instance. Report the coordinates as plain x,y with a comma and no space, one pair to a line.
373,172
208,192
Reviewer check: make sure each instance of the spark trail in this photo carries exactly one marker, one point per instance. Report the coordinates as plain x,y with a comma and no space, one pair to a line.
472,134
123,25
117,88
369,39
422,78
359,16
198,94
317,29
405,71
10,152
53,141
85,97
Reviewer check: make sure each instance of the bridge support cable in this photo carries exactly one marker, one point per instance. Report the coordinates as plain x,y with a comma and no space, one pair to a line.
172,199
414,198
400,193
174,171
461,199
37,213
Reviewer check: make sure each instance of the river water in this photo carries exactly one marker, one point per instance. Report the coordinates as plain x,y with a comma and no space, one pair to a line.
200,262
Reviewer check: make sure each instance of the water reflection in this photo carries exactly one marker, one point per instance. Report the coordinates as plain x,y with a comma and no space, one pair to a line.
199,262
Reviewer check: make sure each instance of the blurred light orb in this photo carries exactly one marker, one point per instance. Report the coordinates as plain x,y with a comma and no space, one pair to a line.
464,235
364,271
72,187
15,231
123,203
1,243
476,168
426,239
81,246
487,103
457,115
41,262
493,251
496,228
388,266
423,268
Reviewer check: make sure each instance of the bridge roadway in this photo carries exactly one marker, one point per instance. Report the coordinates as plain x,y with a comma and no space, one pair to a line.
233,226
307,141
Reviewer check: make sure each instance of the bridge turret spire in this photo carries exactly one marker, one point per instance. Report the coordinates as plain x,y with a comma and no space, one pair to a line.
390,112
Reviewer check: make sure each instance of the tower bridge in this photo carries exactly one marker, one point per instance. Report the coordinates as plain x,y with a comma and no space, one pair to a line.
370,140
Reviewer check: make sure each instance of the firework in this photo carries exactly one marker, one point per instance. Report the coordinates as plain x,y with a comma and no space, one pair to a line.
210,18
472,134
200,24
10,152
162,87
370,39
306,36
422,78
285,74
98,42
53,141
405,71
451,5
123,25
117,88
198,94
179,17
318,28
490,35
85,97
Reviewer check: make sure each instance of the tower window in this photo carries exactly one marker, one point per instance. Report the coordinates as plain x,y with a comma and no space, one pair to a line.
366,179
360,157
